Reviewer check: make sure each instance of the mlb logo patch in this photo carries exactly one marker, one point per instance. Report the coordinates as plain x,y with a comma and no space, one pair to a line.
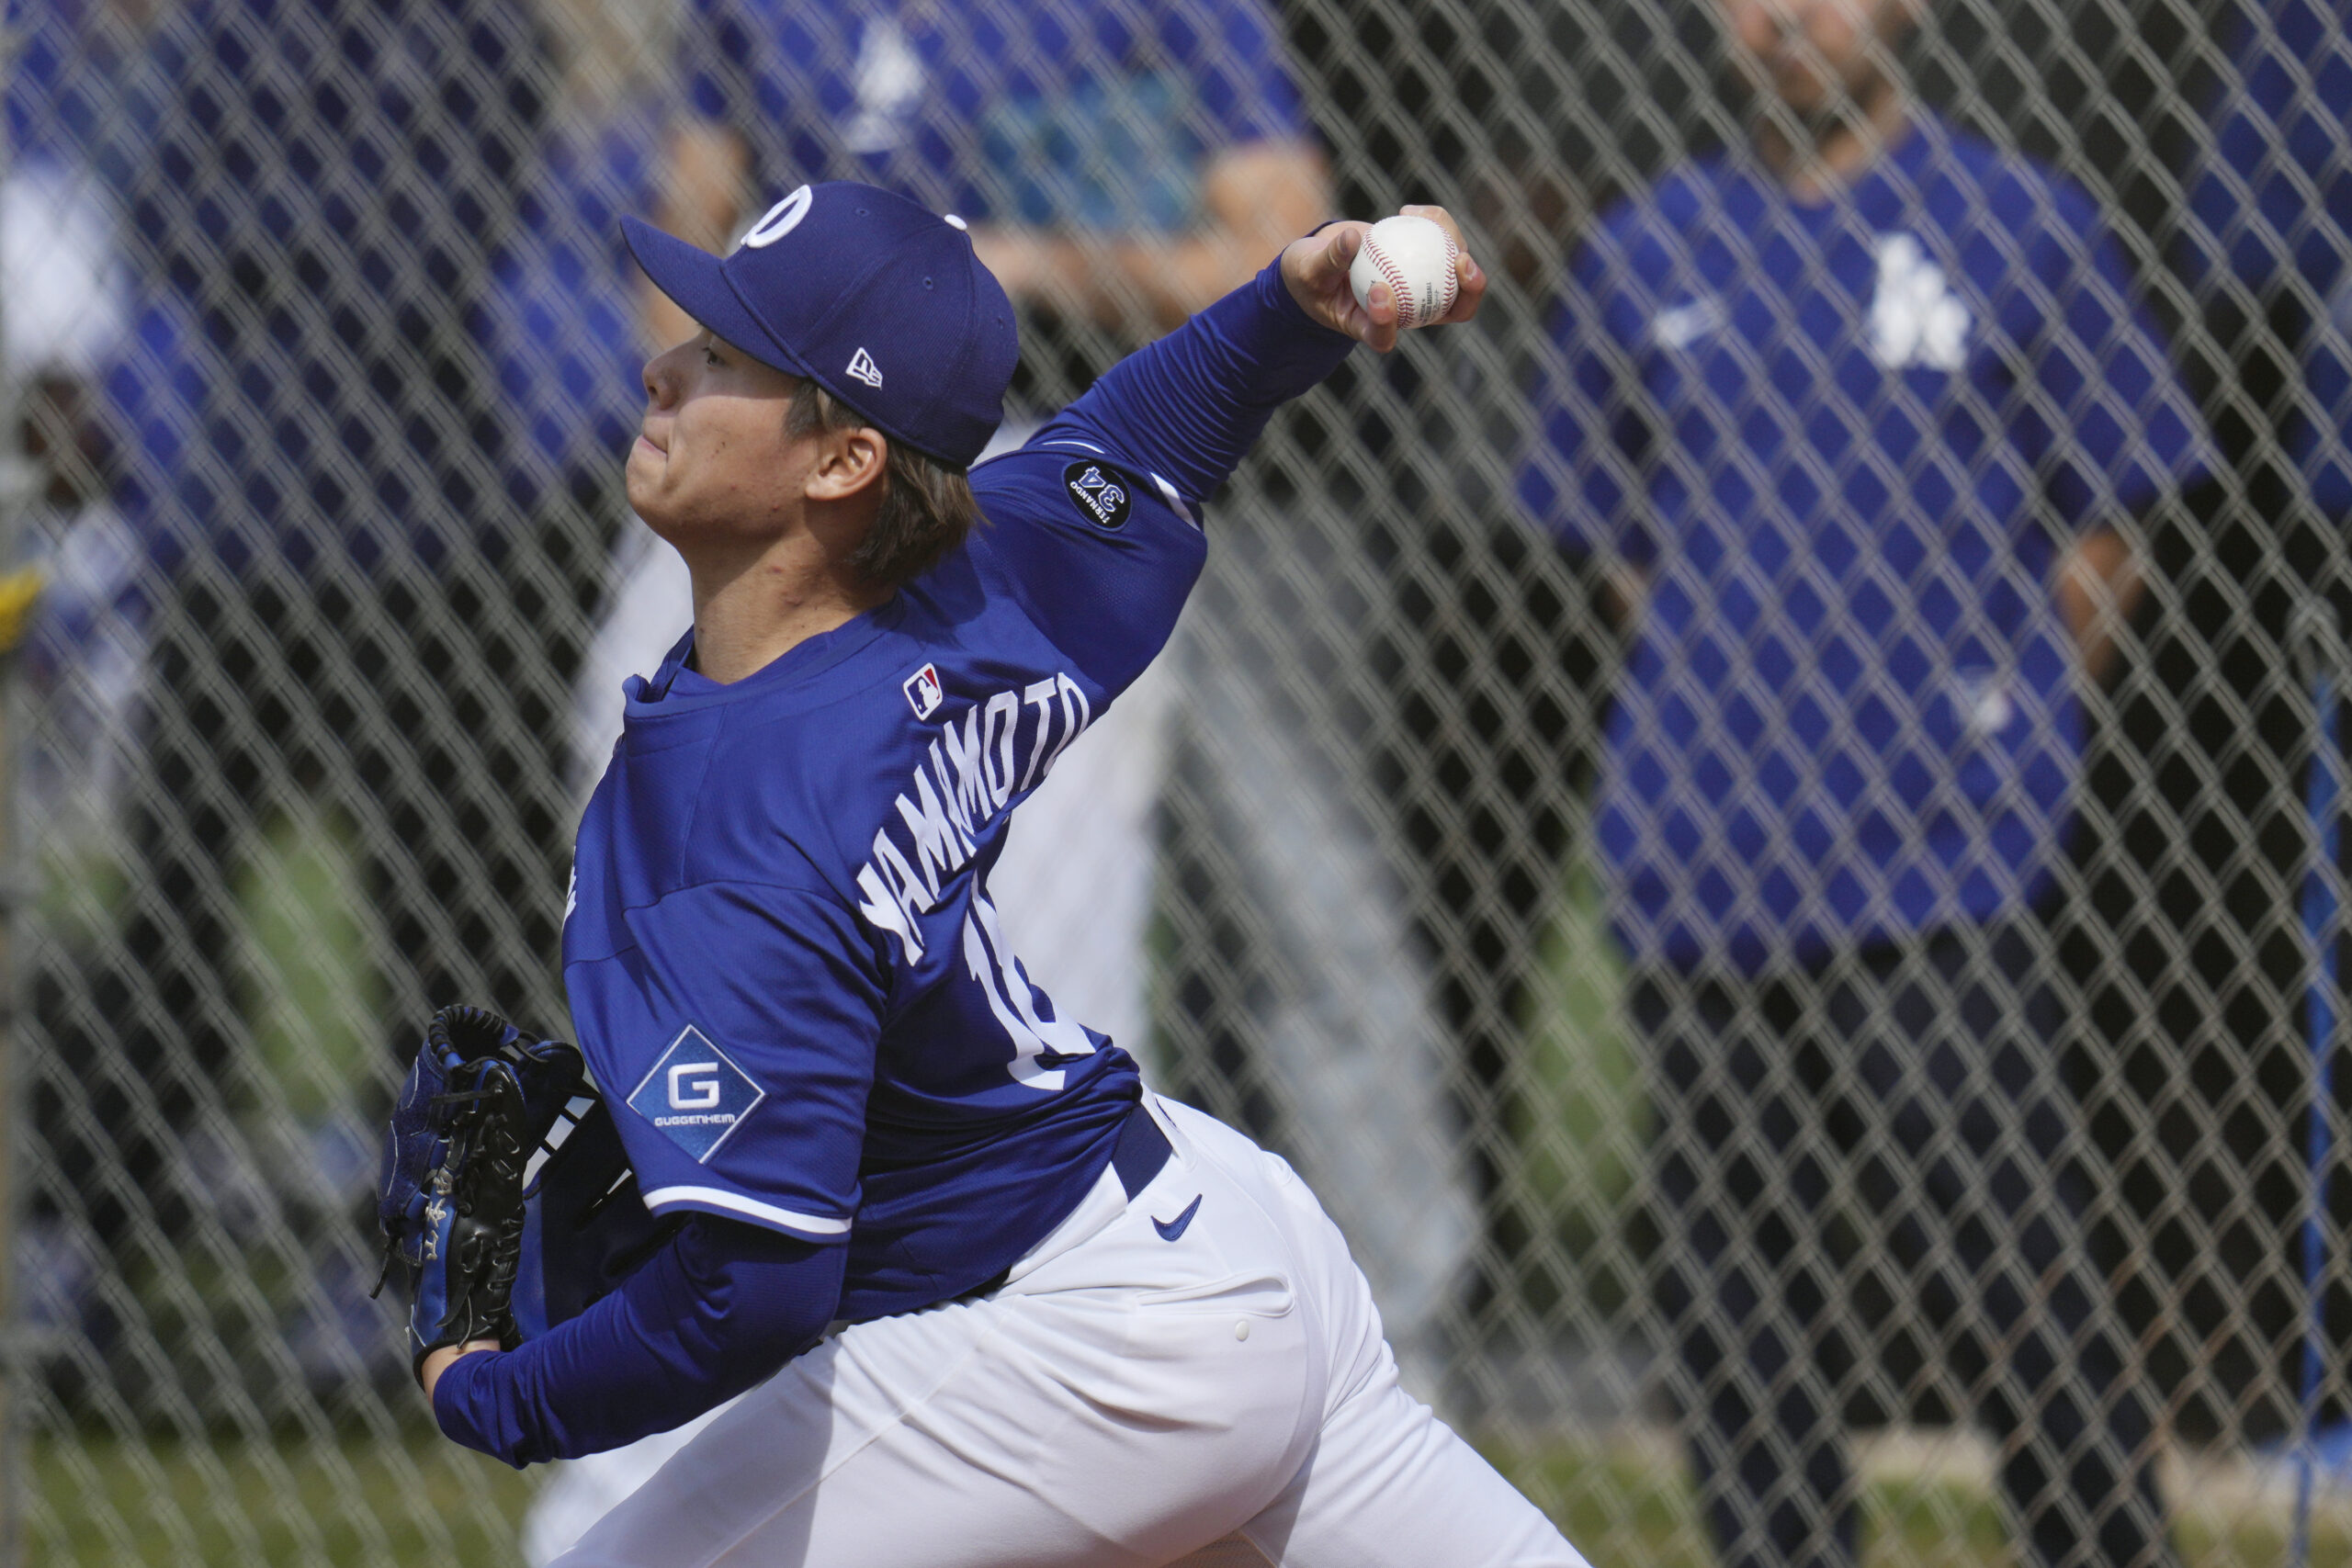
694,1095
923,692
1099,495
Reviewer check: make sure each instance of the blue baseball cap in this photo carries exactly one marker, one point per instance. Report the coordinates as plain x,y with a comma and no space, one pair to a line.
877,300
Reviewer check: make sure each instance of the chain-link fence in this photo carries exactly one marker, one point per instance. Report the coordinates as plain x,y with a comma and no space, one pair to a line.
1762,824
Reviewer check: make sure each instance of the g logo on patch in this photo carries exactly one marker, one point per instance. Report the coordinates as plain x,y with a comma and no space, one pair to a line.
695,1096
1101,494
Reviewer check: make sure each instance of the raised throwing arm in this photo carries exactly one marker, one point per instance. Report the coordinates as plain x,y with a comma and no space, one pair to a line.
1190,406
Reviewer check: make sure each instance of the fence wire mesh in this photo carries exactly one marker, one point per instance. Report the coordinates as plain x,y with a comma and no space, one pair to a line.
1760,824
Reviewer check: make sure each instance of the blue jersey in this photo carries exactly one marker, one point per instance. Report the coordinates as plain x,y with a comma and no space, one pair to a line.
1846,442
1075,113
783,960
785,967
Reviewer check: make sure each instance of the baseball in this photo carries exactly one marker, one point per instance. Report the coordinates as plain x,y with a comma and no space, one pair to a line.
1415,257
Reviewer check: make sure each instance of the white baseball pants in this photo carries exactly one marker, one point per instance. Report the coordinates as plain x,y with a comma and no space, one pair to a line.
1124,1401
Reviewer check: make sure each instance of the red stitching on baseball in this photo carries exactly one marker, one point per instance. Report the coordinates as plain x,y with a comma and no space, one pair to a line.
1394,278
1406,314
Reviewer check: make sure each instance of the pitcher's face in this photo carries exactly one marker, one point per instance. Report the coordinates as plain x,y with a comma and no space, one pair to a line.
714,454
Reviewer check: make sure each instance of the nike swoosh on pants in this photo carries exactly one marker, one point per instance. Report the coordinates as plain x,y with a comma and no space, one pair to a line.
1170,1230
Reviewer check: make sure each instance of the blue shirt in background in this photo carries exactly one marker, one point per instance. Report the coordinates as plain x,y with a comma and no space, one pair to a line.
316,189
65,78
1074,112
560,323
77,78
1845,444
2272,200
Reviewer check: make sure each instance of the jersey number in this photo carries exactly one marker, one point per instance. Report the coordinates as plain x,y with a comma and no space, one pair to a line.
999,973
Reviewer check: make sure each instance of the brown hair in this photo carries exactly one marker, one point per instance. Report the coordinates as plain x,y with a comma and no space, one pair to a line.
928,508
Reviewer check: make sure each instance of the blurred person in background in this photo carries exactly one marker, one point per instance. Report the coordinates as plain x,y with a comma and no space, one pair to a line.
1121,166
66,333
351,593
562,323
567,331
1861,416
1481,674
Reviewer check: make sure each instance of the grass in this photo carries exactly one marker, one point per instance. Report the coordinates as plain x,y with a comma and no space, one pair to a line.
414,1499
311,993
1626,1505
1580,1119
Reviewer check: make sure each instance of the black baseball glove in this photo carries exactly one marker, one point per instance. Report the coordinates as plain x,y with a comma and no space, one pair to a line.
477,1110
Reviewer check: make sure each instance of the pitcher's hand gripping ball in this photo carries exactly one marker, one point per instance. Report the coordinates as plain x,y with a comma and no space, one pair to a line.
479,1105
1415,257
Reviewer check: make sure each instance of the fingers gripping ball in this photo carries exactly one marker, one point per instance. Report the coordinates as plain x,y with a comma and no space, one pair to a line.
1415,257
477,1106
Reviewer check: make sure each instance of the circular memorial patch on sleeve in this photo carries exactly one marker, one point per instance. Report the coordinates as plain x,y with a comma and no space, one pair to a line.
1100,493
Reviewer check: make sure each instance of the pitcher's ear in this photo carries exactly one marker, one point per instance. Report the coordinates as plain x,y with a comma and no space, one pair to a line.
850,459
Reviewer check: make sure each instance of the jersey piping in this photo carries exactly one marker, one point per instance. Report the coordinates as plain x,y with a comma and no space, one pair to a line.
770,1213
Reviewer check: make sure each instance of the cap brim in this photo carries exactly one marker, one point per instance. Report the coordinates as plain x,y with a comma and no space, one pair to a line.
692,277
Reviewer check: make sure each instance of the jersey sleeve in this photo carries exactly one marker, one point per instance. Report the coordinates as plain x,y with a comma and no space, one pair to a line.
760,1016
1241,81
1099,555
1581,483
2117,426
1093,527
1190,406
720,1308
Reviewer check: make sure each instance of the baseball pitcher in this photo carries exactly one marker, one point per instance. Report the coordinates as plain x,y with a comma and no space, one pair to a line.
986,1302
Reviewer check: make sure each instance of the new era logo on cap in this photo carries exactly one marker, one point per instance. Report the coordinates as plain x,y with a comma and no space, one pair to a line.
862,365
